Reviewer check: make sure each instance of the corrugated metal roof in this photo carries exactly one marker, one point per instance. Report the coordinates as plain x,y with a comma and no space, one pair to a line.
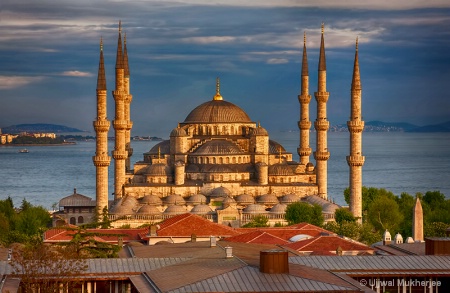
401,264
249,279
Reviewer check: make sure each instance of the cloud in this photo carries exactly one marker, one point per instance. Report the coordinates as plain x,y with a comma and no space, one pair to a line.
76,73
12,82
277,61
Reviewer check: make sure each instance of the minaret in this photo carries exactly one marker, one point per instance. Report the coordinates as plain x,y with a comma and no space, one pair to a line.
321,124
356,160
417,224
304,125
120,123
101,125
128,99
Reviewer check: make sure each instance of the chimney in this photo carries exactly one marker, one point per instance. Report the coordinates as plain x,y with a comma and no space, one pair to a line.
274,261
229,251
193,238
152,230
212,241
386,238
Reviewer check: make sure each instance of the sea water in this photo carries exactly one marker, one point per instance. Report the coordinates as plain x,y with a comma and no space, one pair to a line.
397,161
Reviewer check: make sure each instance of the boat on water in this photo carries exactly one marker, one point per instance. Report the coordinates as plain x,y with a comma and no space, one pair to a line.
23,151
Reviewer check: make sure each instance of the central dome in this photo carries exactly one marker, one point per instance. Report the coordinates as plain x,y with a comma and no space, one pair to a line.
217,111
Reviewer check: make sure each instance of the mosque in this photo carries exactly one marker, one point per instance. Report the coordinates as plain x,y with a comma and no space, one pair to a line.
218,163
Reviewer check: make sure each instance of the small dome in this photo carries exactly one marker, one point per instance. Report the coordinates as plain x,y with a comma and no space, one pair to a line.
329,208
245,199
175,210
201,209
220,192
387,235
267,199
289,198
178,132
151,199
259,131
254,209
160,148
409,240
196,199
158,169
398,238
218,147
129,201
149,210
121,209
275,147
279,208
299,237
228,200
174,199
280,169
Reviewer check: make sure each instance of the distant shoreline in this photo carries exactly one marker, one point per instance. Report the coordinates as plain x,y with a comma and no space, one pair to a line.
36,144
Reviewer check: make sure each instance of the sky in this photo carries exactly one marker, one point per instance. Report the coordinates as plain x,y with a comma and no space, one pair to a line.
50,52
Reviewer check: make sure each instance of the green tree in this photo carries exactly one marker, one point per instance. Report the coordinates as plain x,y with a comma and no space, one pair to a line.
435,229
257,221
406,204
343,214
384,213
33,220
299,212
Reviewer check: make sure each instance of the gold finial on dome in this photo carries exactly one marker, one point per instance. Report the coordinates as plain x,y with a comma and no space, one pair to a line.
159,152
217,97
279,156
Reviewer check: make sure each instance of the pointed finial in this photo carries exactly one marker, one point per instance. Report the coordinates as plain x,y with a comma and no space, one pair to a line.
101,43
356,43
125,39
159,152
259,124
120,26
279,150
218,96
304,38
323,28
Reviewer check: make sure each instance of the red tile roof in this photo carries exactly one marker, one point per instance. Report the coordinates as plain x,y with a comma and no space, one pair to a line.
62,234
259,237
327,244
188,224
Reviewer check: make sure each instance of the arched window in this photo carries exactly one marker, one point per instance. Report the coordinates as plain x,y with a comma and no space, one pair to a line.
73,221
80,220
234,160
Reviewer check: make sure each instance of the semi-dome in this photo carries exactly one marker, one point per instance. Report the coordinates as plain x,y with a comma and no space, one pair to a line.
178,132
218,147
275,147
280,169
162,147
158,169
259,131
148,210
254,209
151,199
217,111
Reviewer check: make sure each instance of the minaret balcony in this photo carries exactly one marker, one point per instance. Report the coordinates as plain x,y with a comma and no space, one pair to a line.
120,124
355,160
321,156
304,99
304,151
304,125
322,97
101,160
101,125
120,155
129,125
321,125
355,125
119,95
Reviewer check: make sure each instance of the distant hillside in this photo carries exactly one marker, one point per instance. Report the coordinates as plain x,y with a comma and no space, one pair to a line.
442,127
377,126
39,127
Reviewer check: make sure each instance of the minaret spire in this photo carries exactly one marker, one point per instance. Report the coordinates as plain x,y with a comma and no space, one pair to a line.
355,126
304,125
321,124
120,122
101,159
127,101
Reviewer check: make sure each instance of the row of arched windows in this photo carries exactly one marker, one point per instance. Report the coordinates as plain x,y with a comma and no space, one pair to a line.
219,160
218,177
